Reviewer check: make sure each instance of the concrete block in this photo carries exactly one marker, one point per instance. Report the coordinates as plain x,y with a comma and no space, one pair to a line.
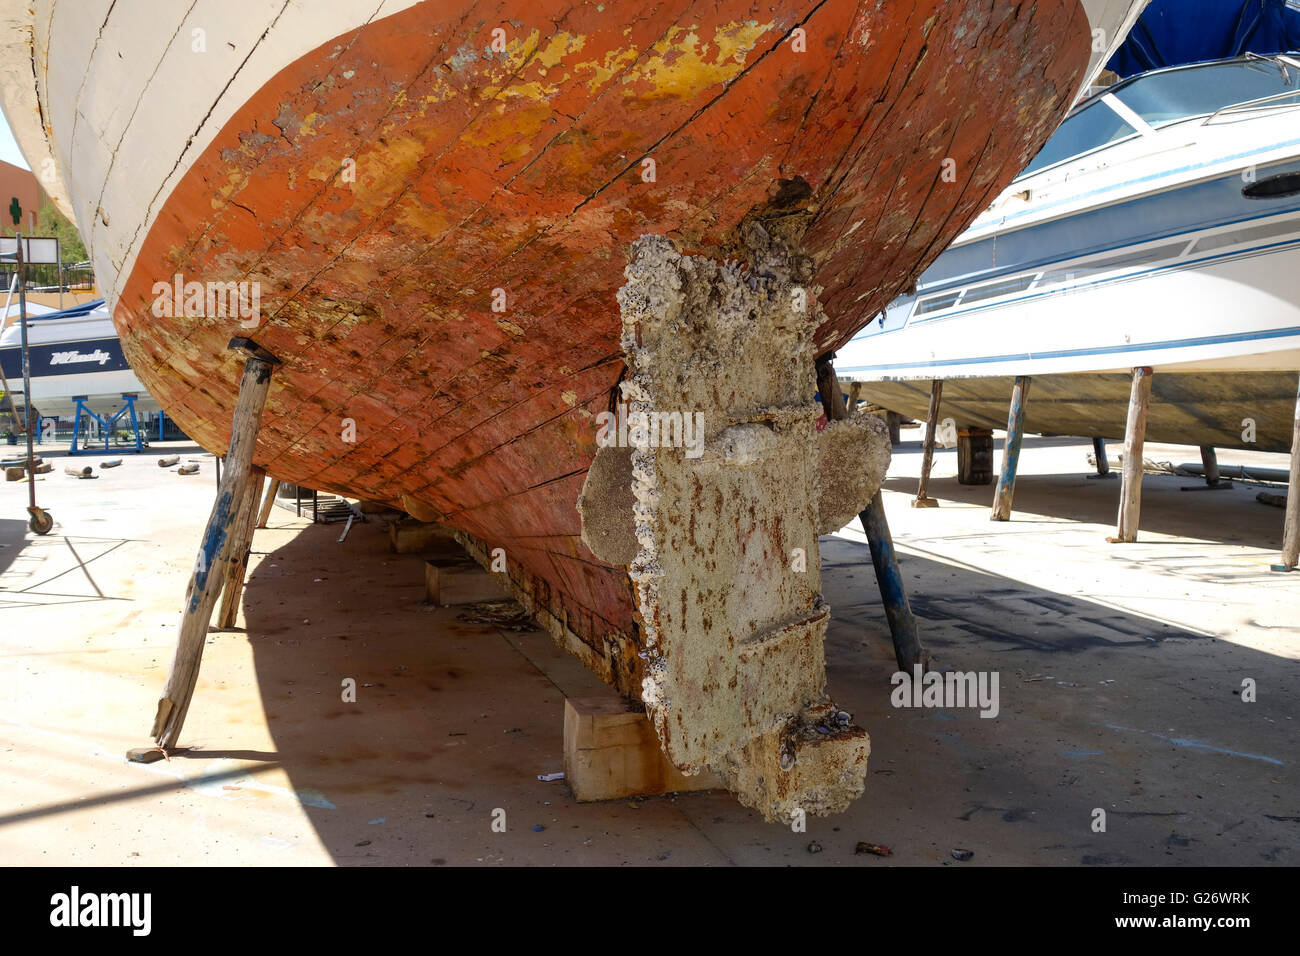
611,752
408,536
461,580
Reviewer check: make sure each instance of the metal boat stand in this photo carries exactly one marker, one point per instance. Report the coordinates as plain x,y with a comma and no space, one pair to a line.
106,423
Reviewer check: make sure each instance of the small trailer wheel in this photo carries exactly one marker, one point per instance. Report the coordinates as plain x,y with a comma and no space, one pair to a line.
41,521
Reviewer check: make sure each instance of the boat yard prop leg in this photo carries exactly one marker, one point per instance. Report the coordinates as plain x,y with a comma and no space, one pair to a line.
229,512
1210,467
40,520
927,454
1011,451
241,547
1099,455
902,624
974,455
895,423
908,651
1130,492
264,515
1291,531
720,536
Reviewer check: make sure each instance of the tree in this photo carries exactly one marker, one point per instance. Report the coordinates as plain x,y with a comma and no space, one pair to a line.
51,222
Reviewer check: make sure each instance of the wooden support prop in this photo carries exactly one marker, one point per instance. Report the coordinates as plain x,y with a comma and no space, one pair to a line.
902,624
927,453
975,456
908,651
1100,460
1006,489
1291,530
231,507
1130,492
895,423
241,546
264,515
1210,467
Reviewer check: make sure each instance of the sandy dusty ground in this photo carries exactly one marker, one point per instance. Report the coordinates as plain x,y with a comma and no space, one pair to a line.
1120,670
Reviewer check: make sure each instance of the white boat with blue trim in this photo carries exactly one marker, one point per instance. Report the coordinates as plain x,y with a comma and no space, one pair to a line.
74,353
1160,227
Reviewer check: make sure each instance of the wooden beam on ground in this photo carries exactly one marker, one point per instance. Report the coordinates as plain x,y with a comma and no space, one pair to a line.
232,505
1291,530
927,453
241,546
264,515
1006,489
1130,493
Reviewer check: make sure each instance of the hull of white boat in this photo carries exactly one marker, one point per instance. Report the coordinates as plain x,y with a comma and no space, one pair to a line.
1249,410
72,358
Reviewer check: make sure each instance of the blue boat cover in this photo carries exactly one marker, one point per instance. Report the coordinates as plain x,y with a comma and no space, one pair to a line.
1174,32
72,312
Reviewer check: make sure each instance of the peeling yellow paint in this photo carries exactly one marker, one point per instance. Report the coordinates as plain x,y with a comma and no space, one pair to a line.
311,124
682,67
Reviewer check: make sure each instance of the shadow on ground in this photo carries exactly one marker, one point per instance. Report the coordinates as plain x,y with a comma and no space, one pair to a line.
1166,509
1099,709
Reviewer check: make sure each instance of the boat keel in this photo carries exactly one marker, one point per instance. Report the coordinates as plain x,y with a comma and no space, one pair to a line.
719,530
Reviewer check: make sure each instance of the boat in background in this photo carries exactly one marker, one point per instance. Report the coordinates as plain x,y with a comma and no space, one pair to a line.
1160,227
75,353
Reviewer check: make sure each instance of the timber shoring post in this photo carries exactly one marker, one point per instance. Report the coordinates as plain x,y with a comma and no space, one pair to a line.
1130,492
1210,469
1099,453
1006,488
231,505
1291,530
908,651
264,515
241,547
927,455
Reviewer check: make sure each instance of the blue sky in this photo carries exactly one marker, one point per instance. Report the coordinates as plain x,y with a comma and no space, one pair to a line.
8,148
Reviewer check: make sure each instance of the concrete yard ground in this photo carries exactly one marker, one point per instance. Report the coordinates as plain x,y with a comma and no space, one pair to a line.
1120,669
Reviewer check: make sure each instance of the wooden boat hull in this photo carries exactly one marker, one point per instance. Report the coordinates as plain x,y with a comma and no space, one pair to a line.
435,209
525,172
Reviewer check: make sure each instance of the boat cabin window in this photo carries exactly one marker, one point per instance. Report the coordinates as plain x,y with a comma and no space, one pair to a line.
1172,96
1094,126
